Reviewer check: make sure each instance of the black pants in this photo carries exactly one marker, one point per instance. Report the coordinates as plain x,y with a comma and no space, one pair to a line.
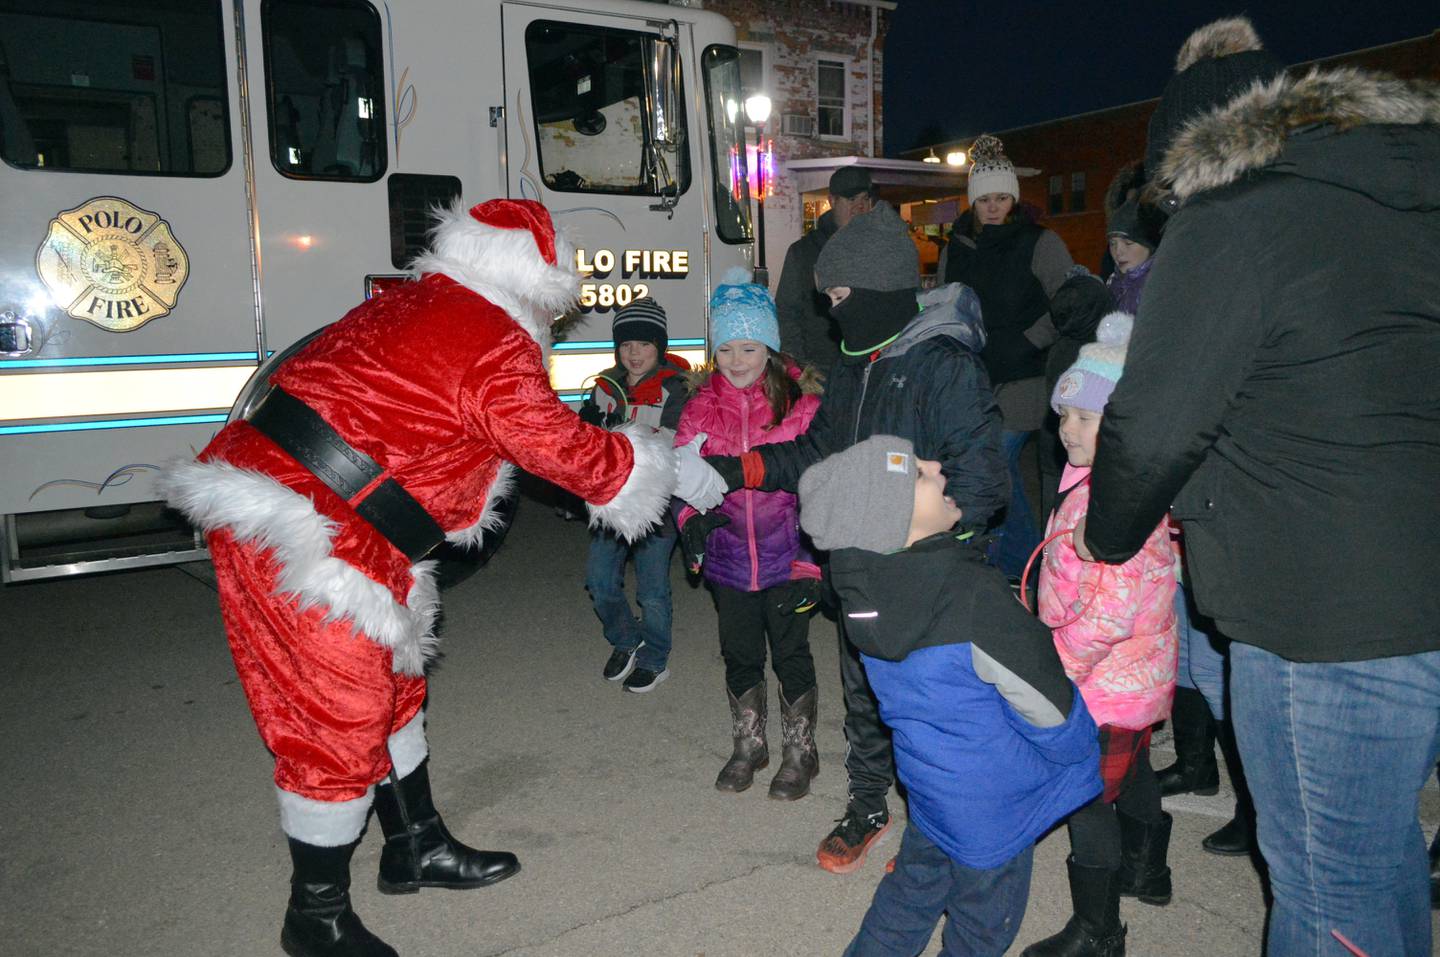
747,620
869,760
1095,829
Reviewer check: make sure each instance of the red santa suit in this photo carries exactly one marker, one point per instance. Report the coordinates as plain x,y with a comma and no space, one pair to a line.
443,383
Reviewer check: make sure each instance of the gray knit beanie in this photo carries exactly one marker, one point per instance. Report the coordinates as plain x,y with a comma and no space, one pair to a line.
873,251
862,497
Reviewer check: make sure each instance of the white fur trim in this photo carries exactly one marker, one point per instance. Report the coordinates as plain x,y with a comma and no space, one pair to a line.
490,518
323,823
504,266
258,510
643,499
408,747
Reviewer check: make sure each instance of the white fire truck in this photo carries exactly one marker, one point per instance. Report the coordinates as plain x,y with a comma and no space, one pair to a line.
191,187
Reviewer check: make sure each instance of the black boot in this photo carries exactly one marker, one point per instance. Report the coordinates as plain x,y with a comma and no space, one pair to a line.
1237,837
1095,930
319,921
420,851
748,714
1194,727
1143,849
801,760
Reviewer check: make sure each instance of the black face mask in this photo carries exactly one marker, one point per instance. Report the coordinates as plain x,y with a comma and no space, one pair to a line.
869,318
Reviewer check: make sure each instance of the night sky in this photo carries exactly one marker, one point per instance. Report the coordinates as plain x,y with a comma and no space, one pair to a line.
961,67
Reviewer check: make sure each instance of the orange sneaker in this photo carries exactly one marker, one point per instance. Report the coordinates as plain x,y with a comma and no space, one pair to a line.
844,848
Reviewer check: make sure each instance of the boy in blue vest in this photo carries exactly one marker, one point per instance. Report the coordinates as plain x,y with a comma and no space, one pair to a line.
991,740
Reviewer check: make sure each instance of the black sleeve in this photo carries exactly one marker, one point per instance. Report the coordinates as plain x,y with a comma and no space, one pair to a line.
1193,346
676,396
794,297
959,411
785,462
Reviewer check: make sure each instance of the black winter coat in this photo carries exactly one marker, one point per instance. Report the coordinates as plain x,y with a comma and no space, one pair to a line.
806,330
1282,388
927,386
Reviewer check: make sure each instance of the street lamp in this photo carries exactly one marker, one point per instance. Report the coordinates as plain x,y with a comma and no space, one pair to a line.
757,111
955,158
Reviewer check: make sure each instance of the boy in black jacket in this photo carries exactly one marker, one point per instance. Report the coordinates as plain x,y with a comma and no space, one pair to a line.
909,367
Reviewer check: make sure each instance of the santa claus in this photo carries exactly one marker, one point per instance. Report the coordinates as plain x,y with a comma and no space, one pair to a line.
396,429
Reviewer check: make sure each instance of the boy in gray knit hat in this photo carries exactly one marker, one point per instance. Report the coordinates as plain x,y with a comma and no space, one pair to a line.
909,367
991,740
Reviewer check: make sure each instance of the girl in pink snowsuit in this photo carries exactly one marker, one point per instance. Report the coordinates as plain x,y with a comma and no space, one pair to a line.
1115,630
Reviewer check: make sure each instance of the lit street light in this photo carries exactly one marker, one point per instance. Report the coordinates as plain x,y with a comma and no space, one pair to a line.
757,111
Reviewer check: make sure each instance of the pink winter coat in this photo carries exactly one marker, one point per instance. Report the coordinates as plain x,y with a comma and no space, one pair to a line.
1122,652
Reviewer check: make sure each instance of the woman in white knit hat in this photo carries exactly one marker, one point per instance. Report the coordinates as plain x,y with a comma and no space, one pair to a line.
1015,266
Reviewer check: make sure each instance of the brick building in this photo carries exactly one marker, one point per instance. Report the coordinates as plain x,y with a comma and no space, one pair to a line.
820,63
1076,157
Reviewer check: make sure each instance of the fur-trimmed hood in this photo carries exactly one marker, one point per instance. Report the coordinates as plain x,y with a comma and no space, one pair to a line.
1364,131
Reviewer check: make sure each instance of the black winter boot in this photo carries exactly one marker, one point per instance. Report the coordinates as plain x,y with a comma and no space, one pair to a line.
1143,849
748,714
1237,837
1095,930
420,851
319,921
801,759
1194,727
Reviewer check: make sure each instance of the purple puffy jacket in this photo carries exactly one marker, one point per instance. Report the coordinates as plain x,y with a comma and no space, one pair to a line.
762,542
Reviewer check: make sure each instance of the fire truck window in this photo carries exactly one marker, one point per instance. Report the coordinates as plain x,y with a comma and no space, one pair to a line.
724,99
413,198
105,87
587,90
324,89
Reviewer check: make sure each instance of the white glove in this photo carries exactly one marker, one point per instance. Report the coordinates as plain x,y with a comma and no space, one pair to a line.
696,481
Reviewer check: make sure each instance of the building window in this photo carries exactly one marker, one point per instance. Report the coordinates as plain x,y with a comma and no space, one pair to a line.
1077,192
325,88
135,88
754,72
1057,195
832,104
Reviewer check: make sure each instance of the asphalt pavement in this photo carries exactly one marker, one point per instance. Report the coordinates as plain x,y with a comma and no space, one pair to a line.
137,815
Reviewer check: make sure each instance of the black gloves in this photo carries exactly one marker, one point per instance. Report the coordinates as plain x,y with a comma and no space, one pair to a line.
590,414
798,596
694,534
730,470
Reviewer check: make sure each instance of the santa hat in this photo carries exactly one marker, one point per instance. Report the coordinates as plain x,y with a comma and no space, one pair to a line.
508,251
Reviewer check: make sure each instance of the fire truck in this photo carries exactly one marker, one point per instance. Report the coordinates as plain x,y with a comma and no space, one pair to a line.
191,188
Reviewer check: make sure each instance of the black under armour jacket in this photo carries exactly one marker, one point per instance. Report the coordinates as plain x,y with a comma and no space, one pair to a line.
927,386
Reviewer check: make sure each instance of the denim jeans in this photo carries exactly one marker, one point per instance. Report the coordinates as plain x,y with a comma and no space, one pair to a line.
605,579
1017,536
1336,754
1202,663
984,908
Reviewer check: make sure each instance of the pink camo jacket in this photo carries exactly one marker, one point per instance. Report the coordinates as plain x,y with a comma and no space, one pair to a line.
1122,653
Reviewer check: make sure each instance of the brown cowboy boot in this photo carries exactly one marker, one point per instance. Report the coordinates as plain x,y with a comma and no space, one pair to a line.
747,716
800,760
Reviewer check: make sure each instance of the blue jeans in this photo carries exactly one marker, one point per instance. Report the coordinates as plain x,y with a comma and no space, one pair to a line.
1016,537
985,908
1336,754
605,579
1202,664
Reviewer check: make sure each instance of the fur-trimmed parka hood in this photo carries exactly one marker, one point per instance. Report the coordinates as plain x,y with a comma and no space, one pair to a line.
1364,131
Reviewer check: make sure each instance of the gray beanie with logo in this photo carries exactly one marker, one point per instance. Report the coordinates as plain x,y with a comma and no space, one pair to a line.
861,498
872,251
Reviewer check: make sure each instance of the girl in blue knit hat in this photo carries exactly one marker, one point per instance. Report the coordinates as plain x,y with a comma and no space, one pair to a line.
749,549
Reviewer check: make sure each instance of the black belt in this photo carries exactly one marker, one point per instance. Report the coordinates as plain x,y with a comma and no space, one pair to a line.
345,470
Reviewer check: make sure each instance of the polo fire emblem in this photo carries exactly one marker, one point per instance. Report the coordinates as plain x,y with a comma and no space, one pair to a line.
111,263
